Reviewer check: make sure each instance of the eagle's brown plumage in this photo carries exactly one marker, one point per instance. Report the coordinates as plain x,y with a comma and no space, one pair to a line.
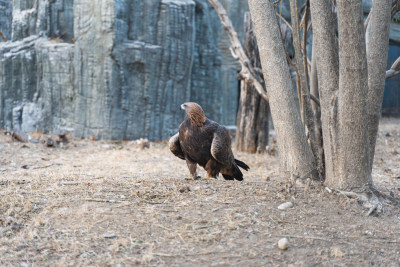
205,142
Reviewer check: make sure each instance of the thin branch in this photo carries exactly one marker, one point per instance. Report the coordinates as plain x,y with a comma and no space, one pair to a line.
305,57
247,71
394,69
391,73
289,59
395,7
2,37
315,99
284,20
303,18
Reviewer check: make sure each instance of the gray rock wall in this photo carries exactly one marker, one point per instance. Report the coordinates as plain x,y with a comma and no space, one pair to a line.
114,69
153,68
5,18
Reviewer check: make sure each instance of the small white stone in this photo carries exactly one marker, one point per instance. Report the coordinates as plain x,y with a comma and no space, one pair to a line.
328,189
283,243
286,205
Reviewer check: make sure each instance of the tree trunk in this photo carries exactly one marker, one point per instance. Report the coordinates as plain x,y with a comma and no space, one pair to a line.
326,53
353,146
308,115
377,52
252,118
317,111
295,154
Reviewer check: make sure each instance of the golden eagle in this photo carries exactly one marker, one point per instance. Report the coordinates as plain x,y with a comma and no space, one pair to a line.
205,142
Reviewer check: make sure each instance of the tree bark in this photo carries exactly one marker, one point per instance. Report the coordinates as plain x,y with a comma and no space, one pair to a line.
377,53
353,149
252,118
295,154
308,116
317,111
326,53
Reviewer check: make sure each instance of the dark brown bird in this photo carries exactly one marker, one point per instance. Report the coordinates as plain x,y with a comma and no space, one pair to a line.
205,142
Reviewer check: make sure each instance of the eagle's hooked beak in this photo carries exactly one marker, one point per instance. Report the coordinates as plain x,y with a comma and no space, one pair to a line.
183,106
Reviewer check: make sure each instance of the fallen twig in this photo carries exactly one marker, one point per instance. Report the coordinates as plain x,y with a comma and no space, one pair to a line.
155,203
259,182
315,237
47,166
102,200
68,183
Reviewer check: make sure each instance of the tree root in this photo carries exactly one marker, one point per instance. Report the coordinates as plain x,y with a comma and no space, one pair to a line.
373,200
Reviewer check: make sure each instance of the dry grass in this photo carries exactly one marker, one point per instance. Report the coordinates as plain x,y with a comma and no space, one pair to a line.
94,203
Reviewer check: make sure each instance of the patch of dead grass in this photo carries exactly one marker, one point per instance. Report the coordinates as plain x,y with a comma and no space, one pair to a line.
109,203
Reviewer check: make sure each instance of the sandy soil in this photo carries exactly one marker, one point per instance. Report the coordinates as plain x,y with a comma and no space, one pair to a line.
96,203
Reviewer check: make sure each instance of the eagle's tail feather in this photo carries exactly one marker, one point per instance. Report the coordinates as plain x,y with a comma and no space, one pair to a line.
242,165
227,177
237,174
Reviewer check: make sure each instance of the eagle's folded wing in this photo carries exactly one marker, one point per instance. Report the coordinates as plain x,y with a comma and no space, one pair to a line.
175,147
221,147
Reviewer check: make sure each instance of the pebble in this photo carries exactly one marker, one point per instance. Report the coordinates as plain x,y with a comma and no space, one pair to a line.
286,205
50,142
283,243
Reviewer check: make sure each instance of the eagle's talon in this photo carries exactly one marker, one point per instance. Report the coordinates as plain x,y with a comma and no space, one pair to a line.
192,178
208,178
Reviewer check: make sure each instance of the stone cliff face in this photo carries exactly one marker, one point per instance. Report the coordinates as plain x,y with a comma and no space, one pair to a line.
119,69
114,69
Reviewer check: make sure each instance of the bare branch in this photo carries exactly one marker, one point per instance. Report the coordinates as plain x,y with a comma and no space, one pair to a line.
303,18
315,99
395,7
289,59
284,20
394,69
247,71
233,53
2,37
306,17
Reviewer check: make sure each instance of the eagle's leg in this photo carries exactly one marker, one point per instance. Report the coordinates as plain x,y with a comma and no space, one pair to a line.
192,169
212,169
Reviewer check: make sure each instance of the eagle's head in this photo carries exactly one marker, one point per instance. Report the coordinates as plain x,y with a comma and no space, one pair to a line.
194,112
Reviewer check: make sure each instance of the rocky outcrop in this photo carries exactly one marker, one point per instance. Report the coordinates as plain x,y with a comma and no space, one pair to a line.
114,69
117,69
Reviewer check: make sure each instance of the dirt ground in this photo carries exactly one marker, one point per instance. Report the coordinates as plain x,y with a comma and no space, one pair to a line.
97,203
